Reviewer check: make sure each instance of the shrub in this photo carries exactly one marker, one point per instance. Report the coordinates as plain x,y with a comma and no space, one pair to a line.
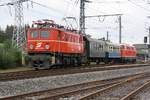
9,56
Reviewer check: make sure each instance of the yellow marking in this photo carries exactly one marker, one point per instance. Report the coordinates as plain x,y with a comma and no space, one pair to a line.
54,41
39,44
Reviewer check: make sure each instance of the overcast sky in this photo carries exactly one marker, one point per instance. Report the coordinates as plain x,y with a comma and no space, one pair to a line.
134,19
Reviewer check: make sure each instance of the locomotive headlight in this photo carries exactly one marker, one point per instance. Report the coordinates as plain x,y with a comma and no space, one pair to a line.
31,46
46,46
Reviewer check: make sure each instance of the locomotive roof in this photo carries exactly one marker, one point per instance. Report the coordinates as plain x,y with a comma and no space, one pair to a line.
102,41
56,28
128,45
45,24
141,46
113,44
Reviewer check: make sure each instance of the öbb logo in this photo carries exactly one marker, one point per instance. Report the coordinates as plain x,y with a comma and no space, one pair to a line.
39,44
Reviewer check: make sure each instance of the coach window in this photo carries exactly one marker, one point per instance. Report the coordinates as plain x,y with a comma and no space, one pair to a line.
34,34
95,46
45,34
114,48
102,47
111,48
99,47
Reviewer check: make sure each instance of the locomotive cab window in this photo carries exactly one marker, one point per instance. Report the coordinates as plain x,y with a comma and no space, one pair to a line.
122,47
45,34
34,34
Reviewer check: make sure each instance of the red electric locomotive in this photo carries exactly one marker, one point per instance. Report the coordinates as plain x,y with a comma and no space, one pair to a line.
51,44
128,53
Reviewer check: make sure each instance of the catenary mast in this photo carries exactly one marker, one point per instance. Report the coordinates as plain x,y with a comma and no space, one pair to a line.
19,35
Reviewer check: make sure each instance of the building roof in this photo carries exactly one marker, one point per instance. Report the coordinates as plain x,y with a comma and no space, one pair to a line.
141,46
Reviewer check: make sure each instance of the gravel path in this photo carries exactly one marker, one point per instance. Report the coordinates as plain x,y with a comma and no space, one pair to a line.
17,87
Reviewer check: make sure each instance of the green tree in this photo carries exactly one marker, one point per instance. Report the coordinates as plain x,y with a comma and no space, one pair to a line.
9,56
2,35
9,31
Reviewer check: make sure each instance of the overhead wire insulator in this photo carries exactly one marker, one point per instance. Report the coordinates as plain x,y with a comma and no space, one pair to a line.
103,18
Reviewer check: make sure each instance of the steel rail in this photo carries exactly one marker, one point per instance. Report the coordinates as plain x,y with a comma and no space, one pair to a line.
135,91
95,94
73,70
57,93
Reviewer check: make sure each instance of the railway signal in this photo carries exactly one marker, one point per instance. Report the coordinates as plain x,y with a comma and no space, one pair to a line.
145,39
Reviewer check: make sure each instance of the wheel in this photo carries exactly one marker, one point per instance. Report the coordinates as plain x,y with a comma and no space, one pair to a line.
97,62
36,69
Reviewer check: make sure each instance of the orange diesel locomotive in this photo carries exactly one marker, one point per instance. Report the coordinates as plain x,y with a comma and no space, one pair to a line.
128,53
51,44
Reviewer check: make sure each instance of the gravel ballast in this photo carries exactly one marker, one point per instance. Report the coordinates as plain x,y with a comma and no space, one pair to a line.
18,87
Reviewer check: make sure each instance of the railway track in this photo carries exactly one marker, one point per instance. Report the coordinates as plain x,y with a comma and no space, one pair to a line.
61,71
136,91
124,90
84,91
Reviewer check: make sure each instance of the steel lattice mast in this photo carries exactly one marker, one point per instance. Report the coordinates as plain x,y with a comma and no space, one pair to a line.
19,35
82,16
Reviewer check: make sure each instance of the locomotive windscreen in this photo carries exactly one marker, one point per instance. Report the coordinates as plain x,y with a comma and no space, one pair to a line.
34,34
45,34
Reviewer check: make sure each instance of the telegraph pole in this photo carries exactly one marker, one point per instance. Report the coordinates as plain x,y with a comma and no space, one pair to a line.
120,30
149,42
107,35
149,34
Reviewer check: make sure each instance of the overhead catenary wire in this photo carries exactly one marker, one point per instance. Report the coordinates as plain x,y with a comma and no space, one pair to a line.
33,2
139,6
70,17
109,2
72,2
38,12
70,7
45,6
